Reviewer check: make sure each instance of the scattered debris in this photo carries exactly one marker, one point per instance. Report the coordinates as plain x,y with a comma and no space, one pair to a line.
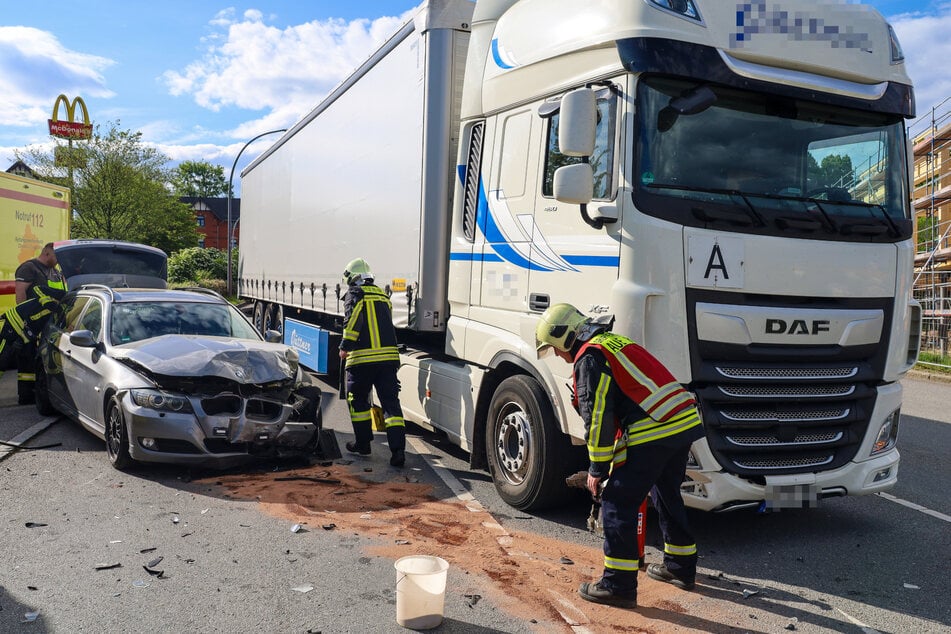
138,583
472,599
116,541
402,542
567,561
303,589
329,527
148,550
203,511
912,586
107,566
368,469
792,624
296,528
29,617
322,479
154,562
150,568
175,520
748,593
35,525
345,462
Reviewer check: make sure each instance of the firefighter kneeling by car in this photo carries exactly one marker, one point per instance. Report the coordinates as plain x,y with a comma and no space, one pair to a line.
20,327
639,425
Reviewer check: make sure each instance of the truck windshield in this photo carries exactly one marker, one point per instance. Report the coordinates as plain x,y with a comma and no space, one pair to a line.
705,150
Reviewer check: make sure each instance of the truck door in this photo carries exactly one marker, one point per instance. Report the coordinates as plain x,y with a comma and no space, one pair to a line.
505,218
572,261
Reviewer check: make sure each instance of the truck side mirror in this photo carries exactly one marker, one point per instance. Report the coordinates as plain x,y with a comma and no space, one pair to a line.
574,184
578,123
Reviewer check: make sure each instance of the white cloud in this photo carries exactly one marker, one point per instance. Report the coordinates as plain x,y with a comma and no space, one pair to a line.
927,47
285,72
35,68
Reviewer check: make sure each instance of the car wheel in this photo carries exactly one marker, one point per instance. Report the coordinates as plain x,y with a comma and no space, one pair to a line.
42,393
117,436
527,457
258,317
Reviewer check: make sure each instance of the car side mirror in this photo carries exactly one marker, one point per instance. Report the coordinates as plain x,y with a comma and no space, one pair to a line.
274,336
83,339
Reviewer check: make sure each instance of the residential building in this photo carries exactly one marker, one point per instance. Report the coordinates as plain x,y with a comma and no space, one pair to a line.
211,215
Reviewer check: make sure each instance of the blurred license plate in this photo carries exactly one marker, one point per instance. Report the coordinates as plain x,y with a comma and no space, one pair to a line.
791,496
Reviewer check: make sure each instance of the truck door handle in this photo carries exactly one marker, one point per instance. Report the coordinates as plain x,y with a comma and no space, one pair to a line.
538,301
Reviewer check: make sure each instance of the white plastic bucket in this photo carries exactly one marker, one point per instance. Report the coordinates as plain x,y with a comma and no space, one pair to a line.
420,591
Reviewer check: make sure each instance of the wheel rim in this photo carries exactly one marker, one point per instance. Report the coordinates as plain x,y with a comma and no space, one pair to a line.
114,432
258,318
513,442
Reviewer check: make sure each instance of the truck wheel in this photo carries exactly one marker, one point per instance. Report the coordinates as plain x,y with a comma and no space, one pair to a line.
277,318
258,316
526,455
117,436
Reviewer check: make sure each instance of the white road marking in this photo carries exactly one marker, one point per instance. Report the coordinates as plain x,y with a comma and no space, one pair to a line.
917,507
865,628
573,616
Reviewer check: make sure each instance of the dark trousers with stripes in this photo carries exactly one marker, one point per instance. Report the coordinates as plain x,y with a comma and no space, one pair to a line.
361,379
657,467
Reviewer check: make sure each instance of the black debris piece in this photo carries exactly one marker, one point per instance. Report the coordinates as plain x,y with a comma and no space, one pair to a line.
35,524
108,566
567,561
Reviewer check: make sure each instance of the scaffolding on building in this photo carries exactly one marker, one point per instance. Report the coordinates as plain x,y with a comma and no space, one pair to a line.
931,202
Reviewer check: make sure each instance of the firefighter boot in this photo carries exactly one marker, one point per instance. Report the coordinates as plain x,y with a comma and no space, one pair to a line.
396,438
597,592
363,435
659,572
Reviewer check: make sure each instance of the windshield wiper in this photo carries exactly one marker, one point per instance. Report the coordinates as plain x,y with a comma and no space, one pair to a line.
745,218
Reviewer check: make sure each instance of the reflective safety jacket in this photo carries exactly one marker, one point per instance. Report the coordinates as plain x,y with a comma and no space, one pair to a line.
28,318
368,334
627,397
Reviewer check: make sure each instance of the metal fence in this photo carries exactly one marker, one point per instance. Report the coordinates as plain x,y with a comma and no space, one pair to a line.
931,194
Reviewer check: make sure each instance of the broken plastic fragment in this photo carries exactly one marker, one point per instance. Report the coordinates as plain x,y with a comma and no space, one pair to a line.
912,586
154,562
34,525
107,566
472,599
148,550
29,617
402,542
303,589
295,528
175,520
203,511
749,593
138,583
329,527
567,561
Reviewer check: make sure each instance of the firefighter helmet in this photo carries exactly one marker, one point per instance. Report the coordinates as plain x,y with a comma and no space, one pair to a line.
559,327
357,271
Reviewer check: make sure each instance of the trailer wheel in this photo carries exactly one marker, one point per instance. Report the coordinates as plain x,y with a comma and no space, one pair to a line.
277,318
527,457
258,316
268,318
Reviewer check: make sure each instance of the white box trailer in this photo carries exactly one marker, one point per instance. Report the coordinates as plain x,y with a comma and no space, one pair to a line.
747,220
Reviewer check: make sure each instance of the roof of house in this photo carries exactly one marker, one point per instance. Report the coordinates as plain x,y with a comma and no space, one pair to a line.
217,206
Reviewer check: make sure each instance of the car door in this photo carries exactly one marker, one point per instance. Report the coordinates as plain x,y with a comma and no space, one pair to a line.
81,366
51,350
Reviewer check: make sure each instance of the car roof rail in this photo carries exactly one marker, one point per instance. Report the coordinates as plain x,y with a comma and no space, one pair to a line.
206,291
112,295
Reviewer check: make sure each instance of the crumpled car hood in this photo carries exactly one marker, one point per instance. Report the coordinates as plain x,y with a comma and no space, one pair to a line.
241,360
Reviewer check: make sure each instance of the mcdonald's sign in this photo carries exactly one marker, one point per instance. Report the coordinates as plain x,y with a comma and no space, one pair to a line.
70,129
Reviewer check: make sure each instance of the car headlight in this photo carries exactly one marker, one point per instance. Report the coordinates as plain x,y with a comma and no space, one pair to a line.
887,434
160,400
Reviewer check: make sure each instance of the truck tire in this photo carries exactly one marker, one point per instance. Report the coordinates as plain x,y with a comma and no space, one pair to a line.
258,316
268,323
277,318
527,456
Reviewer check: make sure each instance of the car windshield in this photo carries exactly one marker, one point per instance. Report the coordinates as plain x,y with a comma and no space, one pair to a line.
714,144
135,321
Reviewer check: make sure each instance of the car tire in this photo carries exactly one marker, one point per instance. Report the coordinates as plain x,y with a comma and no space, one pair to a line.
42,393
528,458
117,436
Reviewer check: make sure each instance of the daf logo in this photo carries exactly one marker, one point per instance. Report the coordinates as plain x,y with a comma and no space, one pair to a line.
796,326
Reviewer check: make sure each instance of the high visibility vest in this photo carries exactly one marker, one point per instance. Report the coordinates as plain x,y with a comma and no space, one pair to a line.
641,377
369,335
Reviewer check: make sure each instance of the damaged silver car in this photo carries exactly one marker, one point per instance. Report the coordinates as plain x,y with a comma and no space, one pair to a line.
175,376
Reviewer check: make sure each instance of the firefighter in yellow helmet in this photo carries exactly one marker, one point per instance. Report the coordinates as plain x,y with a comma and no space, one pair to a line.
369,347
639,425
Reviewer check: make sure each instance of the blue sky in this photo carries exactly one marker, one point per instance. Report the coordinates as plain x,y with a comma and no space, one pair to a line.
200,77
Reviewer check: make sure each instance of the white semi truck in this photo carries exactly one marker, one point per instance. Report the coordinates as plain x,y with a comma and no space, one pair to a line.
728,180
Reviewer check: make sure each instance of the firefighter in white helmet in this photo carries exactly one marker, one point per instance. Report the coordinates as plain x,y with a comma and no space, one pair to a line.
372,360
639,425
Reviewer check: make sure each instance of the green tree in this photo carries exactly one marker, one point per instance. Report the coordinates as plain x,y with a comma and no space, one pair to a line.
119,191
190,266
199,179
836,170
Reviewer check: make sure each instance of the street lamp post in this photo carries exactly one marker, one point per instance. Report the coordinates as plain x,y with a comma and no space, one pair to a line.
230,178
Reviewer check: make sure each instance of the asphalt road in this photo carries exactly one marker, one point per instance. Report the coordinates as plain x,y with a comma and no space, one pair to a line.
863,565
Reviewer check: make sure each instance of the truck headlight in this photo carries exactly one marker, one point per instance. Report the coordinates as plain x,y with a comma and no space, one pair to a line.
887,434
160,400
685,8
